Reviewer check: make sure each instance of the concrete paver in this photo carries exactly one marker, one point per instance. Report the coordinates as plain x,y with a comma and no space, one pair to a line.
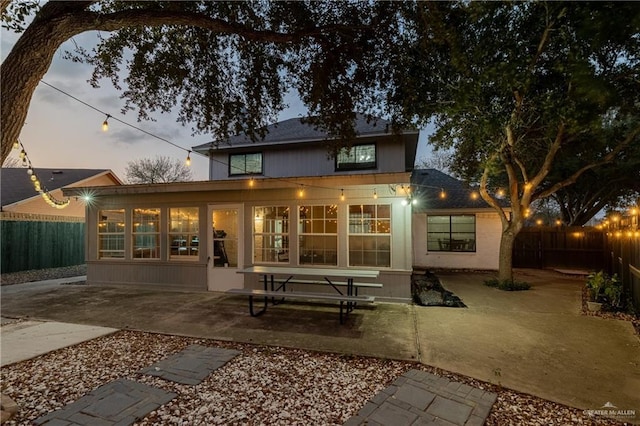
418,397
121,402
191,365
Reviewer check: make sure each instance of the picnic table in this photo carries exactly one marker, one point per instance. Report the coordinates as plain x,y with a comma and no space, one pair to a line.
276,278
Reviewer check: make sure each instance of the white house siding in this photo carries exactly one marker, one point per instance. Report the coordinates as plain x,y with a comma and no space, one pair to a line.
488,231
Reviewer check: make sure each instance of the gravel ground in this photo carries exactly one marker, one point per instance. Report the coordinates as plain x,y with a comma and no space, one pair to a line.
42,274
294,387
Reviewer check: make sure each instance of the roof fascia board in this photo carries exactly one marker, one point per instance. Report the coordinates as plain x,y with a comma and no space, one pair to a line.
241,184
261,144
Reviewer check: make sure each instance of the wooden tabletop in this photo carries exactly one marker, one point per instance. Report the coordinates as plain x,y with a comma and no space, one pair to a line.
316,272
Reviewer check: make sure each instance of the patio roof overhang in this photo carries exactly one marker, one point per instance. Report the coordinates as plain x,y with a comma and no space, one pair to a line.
343,181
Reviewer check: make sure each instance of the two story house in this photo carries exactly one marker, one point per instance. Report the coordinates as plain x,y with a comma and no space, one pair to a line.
280,201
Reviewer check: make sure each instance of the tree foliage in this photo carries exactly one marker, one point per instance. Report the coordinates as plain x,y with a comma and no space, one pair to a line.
157,170
520,88
226,65
530,96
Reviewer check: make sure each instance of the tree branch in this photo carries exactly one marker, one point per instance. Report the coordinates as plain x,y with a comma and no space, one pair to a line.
88,20
606,159
484,193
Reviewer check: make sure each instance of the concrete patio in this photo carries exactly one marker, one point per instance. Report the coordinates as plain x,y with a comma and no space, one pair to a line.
536,341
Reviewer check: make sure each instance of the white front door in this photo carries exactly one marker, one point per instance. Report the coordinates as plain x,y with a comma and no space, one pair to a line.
225,251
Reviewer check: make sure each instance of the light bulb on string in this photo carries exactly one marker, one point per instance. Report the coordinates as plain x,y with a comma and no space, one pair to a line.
301,191
342,195
443,194
23,154
30,172
16,145
188,160
105,123
375,194
251,182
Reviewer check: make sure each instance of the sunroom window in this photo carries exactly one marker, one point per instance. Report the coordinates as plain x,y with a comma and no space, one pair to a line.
370,235
184,237
146,233
318,235
271,234
111,234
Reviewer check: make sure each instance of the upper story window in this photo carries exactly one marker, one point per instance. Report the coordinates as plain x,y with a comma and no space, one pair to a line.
357,157
451,233
245,164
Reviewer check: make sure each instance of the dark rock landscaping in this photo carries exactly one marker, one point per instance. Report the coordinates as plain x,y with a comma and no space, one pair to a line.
427,290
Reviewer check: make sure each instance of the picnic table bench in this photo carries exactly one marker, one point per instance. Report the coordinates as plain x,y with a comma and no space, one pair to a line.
276,288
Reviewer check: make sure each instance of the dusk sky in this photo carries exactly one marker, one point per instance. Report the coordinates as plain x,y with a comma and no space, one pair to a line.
61,132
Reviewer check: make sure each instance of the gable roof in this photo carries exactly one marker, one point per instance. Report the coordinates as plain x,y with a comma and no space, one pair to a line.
16,185
429,183
295,130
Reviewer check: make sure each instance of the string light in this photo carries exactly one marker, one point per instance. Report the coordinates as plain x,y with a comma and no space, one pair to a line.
375,194
105,126
474,195
301,191
46,195
105,123
16,145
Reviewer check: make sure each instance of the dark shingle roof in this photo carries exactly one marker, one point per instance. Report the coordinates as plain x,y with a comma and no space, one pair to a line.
17,186
429,183
294,130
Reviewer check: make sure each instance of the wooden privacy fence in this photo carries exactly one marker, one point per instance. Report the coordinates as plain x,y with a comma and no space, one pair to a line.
569,248
32,244
584,249
624,260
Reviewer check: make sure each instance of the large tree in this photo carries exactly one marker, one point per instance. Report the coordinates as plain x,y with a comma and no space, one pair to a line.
159,169
226,65
516,86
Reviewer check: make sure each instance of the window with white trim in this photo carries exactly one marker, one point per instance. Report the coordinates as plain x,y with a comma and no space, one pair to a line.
271,234
111,234
370,235
146,233
318,235
184,233
451,233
